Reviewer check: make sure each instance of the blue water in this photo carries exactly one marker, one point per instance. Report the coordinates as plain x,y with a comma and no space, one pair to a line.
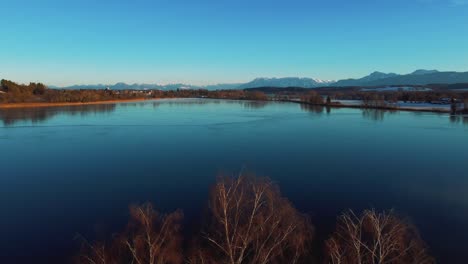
75,170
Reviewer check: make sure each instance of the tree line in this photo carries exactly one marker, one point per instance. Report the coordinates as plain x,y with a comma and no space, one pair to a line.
11,92
381,100
405,96
248,221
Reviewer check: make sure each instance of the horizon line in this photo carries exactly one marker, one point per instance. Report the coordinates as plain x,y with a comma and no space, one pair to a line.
195,83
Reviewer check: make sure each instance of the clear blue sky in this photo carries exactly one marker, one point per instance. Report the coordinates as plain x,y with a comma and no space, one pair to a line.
167,41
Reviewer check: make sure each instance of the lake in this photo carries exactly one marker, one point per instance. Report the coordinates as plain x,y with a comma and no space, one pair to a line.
75,170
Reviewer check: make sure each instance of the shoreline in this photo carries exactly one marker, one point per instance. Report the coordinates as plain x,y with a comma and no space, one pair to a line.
408,109
46,104
388,108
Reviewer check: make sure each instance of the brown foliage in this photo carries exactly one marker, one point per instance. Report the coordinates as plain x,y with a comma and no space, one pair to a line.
374,100
375,238
312,97
256,95
154,238
150,238
100,253
11,92
251,223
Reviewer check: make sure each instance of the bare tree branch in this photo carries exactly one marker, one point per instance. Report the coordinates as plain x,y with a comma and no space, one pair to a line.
375,238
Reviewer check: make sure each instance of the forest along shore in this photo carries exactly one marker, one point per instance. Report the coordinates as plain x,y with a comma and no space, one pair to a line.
334,104
400,106
13,95
43,104
453,103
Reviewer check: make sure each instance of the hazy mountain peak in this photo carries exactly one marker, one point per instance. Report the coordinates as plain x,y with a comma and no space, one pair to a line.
285,82
418,77
377,73
422,72
383,74
376,78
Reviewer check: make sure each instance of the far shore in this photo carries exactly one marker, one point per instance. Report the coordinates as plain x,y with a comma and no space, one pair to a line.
46,104
387,108
409,109
333,105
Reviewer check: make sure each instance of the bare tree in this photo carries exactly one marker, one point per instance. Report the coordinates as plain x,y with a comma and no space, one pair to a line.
151,238
251,223
96,253
154,238
312,97
375,238
370,99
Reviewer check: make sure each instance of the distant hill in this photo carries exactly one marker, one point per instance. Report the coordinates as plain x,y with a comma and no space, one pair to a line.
117,86
135,86
285,82
418,77
375,76
423,79
375,79
422,72
272,90
223,86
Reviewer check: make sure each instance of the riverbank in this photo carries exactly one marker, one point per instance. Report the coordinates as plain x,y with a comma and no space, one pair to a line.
396,108
46,104
416,108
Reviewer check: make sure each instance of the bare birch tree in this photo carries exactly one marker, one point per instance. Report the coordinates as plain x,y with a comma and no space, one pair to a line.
154,238
150,238
375,238
251,223
96,253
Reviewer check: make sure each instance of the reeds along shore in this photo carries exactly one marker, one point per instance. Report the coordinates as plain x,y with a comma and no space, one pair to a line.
248,221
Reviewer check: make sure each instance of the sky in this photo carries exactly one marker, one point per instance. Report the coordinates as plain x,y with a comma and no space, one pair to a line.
61,42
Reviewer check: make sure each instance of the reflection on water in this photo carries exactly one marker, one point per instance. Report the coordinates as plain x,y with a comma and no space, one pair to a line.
199,101
315,109
254,104
188,101
69,177
459,119
371,114
10,116
376,114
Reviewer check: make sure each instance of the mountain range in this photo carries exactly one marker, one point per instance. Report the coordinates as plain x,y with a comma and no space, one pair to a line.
286,82
148,86
418,77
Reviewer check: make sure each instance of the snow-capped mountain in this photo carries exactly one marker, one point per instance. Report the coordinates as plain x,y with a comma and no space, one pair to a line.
418,77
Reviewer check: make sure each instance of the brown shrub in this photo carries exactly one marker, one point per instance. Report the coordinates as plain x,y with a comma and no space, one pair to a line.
375,238
312,97
149,239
